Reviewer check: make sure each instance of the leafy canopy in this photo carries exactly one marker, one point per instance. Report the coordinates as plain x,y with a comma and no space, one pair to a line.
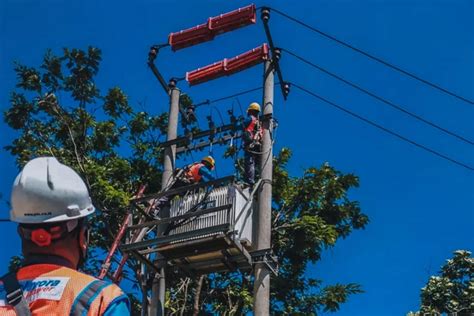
453,290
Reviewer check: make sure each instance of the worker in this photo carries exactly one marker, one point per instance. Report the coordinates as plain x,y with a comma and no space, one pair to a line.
252,141
194,173
50,203
197,172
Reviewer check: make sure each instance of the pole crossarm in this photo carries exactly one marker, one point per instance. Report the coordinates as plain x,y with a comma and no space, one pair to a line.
220,140
183,140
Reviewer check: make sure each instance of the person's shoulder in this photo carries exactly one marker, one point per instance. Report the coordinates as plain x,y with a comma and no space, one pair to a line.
104,283
77,274
105,288
204,169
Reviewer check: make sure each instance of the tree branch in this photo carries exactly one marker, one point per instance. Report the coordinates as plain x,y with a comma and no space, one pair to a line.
197,296
183,309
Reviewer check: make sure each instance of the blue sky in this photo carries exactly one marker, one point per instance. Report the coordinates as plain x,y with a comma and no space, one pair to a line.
420,206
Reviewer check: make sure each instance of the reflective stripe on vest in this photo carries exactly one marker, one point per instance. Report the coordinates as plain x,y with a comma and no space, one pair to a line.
84,300
193,172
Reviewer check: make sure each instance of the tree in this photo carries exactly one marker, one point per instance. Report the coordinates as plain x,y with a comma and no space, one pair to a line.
58,110
453,290
310,214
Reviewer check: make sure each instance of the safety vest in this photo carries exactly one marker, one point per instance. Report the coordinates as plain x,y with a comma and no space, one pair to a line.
254,129
56,290
192,173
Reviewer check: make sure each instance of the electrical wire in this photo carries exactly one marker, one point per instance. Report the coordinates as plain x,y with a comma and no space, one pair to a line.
373,95
235,95
207,102
383,128
240,107
377,59
214,108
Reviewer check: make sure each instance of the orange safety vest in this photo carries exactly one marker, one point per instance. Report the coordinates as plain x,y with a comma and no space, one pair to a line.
51,289
192,173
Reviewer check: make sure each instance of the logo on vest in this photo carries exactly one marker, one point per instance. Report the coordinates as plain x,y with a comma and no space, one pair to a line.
47,288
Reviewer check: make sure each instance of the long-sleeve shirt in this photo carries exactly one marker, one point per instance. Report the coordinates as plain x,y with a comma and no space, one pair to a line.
206,174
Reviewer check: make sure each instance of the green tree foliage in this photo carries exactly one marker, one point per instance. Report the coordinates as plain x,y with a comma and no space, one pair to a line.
58,110
310,213
453,290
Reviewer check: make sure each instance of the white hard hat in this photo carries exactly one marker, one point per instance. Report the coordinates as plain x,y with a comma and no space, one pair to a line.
48,191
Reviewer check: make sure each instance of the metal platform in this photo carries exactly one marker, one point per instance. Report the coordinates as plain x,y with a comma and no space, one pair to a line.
209,229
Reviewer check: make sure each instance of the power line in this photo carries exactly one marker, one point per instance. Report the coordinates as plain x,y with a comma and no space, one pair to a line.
360,51
393,105
228,97
383,128
207,102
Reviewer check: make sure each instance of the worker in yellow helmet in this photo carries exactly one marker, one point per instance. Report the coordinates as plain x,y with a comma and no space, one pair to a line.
252,140
200,171
197,172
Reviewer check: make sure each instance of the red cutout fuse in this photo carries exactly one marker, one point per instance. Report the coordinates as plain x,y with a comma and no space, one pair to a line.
228,67
216,25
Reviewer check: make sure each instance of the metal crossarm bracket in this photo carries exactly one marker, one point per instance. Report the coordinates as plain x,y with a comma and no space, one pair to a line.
266,257
276,53
168,239
151,63
197,135
221,140
144,260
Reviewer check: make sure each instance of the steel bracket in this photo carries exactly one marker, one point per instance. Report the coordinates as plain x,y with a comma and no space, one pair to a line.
266,257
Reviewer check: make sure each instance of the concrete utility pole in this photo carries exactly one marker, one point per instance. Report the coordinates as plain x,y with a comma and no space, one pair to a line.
261,291
159,283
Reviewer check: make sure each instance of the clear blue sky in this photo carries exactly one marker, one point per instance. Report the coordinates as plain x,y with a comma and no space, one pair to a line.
420,206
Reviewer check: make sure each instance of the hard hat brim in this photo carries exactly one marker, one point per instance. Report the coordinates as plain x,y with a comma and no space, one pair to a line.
44,218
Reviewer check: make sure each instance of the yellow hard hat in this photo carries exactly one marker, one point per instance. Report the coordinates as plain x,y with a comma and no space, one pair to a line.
254,106
209,160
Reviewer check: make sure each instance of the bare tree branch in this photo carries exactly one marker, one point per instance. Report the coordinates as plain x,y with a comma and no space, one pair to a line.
197,296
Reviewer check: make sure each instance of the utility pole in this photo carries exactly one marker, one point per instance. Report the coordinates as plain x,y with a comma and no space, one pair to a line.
261,292
159,283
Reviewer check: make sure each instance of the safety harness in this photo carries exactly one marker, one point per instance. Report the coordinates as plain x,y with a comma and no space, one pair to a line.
15,294
253,136
191,173
254,129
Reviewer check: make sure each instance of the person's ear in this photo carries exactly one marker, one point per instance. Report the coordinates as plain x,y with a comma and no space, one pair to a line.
84,240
